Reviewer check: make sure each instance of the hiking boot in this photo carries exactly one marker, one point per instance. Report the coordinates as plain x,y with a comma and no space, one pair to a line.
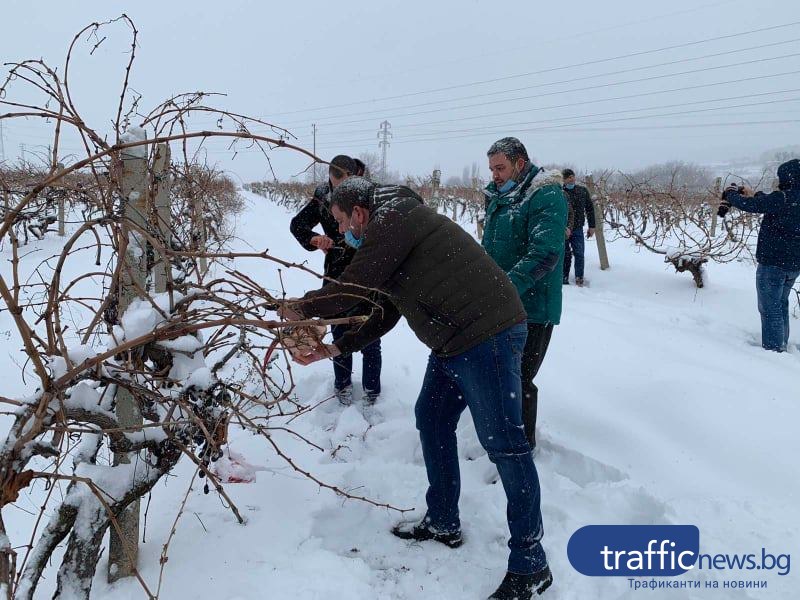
423,531
566,280
523,587
345,395
370,398
579,281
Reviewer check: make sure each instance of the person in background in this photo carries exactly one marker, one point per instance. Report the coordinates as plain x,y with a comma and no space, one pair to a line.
778,250
583,211
338,254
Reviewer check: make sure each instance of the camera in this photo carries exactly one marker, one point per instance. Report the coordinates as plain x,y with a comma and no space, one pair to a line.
724,206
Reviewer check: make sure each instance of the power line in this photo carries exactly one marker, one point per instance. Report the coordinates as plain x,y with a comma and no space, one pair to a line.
508,50
541,108
515,126
571,90
543,71
577,128
572,80
624,97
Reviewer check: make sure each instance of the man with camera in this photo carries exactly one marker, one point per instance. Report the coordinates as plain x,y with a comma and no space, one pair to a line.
778,250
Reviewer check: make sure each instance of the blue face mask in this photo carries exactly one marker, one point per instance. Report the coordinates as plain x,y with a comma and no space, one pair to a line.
507,186
352,240
569,186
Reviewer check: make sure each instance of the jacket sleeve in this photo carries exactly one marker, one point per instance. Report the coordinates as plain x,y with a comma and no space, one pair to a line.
388,240
547,218
303,223
589,206
570,213
380,322
760,203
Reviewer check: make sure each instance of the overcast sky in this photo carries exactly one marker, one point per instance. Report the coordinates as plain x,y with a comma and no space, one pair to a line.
590,84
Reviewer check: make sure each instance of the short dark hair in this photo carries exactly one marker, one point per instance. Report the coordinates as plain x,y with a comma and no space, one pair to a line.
511,147
342,165
354,191
567,173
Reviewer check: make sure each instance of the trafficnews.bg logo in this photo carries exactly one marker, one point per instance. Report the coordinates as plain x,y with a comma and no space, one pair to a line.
658,551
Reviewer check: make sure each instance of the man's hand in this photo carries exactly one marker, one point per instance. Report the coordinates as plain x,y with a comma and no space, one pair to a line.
286,312
568,232
320,353
589,233
322,242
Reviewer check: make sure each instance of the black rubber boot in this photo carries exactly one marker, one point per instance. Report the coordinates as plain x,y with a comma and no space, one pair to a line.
422,532
523,587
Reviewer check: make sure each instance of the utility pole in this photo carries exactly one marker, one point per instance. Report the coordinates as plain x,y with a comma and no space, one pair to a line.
383,135
314,133
2,144
22,151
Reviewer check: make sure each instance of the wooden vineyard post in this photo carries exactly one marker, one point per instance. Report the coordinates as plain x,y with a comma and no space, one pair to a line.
61,208
123,548
478,196
436,179
162,214
715,205
599,220
199,234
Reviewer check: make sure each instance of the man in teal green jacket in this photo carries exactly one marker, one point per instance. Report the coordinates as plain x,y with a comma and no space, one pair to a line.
524,232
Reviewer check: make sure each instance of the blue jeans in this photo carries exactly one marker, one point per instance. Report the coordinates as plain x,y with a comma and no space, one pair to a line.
774,285
487,380
371,369
574,245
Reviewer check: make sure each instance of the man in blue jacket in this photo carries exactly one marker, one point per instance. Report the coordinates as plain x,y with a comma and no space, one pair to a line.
778,250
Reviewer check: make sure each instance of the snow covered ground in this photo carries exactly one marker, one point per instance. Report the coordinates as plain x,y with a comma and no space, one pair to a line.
657,405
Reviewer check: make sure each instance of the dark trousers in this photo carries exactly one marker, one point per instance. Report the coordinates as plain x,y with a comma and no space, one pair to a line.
535,348
575,245
774,286
485,379
371,369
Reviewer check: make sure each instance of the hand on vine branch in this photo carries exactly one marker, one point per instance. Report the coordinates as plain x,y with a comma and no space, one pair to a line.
286,312
320,353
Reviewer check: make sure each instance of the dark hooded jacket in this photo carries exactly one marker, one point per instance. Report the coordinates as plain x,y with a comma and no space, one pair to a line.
779,236
318,212
580,201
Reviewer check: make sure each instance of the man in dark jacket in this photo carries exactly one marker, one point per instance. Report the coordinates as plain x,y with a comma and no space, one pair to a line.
778,250
462,306
526,215
338,255
582,211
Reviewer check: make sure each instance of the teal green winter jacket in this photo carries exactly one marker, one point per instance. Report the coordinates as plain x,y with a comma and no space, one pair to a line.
524,233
